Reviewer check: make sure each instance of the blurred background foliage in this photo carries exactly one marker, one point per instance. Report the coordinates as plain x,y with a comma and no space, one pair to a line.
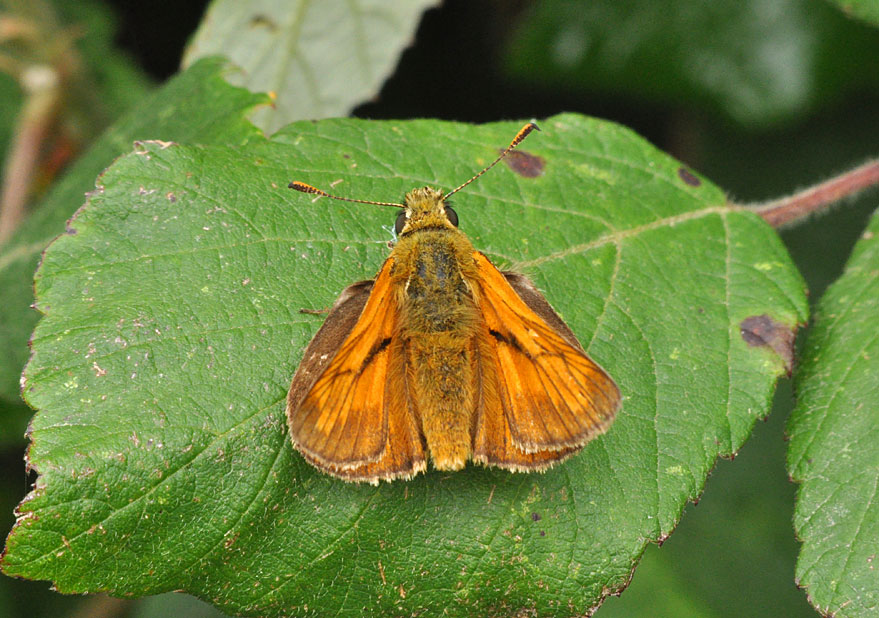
761,96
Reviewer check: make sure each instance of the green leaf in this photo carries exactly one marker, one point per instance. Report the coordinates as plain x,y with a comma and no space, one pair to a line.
757,62
321,59
197,106
834,442
172,329
868,10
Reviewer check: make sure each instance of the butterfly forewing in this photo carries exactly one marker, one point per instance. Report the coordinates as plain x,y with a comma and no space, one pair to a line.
404,453
553,395
347,410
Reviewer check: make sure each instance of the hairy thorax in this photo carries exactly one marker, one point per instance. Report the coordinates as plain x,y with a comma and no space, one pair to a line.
440,318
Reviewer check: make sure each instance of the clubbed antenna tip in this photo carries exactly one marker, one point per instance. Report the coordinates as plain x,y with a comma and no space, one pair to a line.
521,135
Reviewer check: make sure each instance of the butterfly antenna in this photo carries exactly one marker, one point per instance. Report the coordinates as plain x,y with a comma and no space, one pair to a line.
521,135
306,188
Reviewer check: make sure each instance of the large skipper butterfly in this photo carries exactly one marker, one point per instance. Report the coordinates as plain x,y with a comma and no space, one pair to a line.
443,355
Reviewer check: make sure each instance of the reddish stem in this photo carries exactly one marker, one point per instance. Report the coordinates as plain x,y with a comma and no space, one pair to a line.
796,207
42,95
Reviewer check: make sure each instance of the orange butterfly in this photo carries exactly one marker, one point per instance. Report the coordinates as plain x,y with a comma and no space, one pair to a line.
443,354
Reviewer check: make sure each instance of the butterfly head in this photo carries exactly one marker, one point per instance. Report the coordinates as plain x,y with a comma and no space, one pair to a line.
425,208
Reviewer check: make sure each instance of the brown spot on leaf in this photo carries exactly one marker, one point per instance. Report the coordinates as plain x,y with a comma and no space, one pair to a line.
230,541
763,331
688,177
525,164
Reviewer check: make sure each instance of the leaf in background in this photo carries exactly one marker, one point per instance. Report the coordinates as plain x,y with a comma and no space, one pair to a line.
10,102
114,83
73,42
198,106
321,59
172,329
756,61
834,441
868,10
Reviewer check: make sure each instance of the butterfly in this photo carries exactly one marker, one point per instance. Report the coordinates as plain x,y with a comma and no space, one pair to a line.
444,357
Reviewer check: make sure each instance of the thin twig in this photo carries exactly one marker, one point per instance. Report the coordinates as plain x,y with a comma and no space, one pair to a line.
36,117
797,207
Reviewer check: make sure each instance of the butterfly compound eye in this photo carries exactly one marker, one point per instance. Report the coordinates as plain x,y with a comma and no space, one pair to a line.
400,223
452,215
